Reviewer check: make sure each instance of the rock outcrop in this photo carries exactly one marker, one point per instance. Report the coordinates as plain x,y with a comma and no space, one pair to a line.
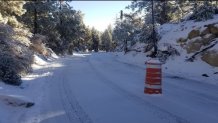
197,39
211,57
193,34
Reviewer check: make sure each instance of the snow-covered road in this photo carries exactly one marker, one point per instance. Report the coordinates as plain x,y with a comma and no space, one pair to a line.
97,88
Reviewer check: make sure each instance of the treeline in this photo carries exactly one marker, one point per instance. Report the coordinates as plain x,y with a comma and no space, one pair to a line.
60,23
64,27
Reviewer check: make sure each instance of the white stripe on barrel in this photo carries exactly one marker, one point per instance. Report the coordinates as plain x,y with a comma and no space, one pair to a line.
153,86
153,66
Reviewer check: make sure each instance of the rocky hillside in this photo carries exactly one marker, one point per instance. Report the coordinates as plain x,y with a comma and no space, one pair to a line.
194,39
199,39
197,45
192,47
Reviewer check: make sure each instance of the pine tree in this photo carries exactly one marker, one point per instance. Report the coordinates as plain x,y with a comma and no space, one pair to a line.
127,30
15,56
9,10
46,13
95,39
204,10
64,27
88,39
106,39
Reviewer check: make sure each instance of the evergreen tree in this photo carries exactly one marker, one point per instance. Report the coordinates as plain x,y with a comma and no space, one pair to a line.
9,11
164,10
15,56
63,26
203,11
45,23
127,30
46,13
95,39
106,39
88,38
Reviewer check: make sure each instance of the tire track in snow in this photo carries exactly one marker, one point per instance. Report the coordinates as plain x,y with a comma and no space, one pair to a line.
74,111
159,112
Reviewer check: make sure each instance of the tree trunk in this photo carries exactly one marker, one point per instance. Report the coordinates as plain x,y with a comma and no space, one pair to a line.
35,19
154,33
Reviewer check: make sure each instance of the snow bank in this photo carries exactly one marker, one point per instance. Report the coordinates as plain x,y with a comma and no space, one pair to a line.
38,59
135,58
175,67
13,99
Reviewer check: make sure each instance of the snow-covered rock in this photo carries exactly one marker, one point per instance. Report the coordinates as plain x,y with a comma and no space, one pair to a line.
211,57
16,100
193,34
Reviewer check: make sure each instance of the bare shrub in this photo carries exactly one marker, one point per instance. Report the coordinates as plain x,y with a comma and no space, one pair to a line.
38,44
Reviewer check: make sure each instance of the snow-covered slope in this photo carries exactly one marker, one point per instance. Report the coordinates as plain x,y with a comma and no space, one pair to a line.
170,33
177,65
14,99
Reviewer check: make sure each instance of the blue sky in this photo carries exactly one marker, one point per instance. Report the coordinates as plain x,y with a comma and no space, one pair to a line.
100,13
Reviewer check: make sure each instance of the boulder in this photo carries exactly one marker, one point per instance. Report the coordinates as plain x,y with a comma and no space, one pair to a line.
193,34
211,57
194,45
205,31
207,39
213,29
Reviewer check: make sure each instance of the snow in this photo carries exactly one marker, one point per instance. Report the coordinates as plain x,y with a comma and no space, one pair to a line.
14,99
170,33
202,29
216,25
105,88
154,61
138,46
177,66
39,60
215,47
53,56
207,35
195,39
138,59
191,70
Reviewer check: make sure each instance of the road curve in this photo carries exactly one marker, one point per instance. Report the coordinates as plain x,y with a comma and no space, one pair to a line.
96,88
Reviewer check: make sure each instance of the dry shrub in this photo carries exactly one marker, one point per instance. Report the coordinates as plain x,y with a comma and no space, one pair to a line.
38,44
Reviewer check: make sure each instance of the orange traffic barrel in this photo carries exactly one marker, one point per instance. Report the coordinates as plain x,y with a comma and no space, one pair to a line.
153,77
